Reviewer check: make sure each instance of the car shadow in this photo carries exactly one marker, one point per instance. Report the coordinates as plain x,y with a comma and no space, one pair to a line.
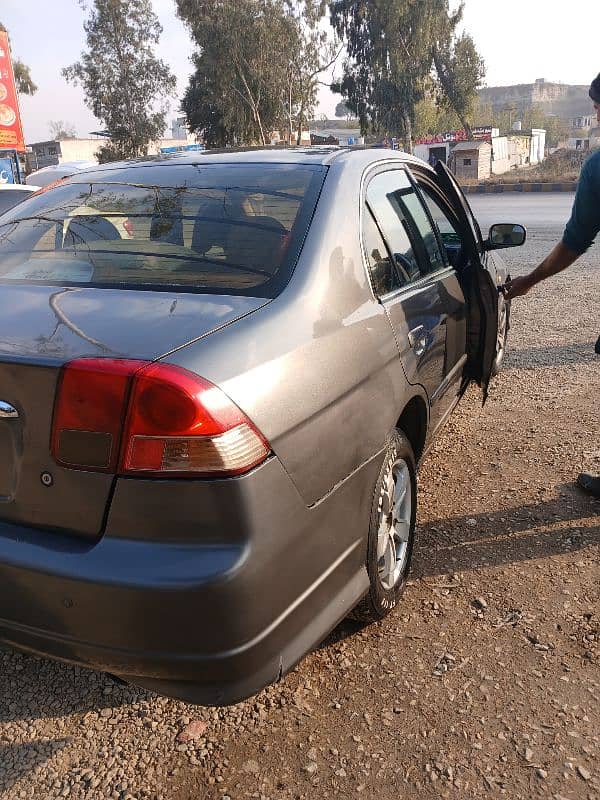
477,541
532,358
32,687
506,536
20,759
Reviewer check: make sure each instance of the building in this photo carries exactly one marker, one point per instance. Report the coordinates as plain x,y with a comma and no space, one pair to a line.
561,99
583,122
472,161
46,154
438,147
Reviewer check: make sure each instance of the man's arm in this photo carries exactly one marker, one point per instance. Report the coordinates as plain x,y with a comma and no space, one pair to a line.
559,258
579,233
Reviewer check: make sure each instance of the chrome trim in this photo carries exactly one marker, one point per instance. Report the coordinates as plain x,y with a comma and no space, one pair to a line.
7,411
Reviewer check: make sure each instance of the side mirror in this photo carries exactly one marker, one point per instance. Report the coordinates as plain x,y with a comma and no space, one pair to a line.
505,235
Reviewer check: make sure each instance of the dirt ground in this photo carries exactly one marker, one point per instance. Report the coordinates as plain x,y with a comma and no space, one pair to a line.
484,683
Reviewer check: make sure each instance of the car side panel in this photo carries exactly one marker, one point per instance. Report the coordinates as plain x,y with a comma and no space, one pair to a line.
318,370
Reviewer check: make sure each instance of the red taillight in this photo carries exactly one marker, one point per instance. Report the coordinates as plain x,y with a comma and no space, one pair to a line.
135,417
128,226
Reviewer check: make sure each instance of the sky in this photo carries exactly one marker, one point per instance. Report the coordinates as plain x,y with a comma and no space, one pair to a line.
519,41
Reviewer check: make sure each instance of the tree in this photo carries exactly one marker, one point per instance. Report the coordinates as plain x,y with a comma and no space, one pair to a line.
460,70
389,63
342,110
242,66
23,80
432,118
313,55
59,129
125,85
401,51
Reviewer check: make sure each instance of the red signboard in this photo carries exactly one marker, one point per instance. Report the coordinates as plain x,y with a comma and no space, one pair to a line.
11,130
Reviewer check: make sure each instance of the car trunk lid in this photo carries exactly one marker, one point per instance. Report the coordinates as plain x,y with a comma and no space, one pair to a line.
44,327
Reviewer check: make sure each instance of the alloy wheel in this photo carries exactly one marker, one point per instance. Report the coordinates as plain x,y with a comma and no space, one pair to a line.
395,514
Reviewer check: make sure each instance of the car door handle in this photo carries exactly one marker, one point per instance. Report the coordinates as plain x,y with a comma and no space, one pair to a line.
418,339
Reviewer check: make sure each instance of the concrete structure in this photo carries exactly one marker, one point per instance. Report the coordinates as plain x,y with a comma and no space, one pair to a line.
433,152
500,161
561,99
49,153
583,122
472,161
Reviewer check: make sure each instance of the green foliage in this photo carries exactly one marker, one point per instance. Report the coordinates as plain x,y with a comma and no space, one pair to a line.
432,118
460,70
241,67
342,110
125,85
399,53
557,129
313,55
23,80
257,66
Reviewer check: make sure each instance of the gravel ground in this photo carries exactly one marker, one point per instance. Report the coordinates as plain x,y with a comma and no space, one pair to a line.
484,683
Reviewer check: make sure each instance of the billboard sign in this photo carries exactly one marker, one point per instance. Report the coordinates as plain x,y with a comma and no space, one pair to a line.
6,171
483,133
11,130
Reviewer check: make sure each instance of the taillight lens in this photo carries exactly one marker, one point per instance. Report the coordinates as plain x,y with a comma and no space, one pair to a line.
134,417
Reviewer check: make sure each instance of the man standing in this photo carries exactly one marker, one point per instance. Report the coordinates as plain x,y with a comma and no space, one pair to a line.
580,232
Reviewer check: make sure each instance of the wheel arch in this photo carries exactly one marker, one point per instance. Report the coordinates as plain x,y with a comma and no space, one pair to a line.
413,422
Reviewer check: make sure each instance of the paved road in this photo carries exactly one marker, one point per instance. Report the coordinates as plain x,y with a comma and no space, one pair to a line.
536,211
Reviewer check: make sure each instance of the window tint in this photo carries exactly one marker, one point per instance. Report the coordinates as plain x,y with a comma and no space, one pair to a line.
384,197
10,198
445,224
234,228
383,274
417,211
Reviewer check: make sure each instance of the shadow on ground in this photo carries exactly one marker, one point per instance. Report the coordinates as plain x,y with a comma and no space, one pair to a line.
476,541
532,358
17,760
479,541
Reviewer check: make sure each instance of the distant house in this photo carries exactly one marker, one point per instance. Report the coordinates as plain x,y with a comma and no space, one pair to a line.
472,161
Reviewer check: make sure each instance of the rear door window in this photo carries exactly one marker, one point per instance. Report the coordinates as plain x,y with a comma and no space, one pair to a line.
233,228
384,198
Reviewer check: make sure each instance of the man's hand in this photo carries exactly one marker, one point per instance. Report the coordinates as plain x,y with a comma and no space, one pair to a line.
516,287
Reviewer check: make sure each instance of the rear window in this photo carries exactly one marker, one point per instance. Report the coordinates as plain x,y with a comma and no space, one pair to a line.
227,228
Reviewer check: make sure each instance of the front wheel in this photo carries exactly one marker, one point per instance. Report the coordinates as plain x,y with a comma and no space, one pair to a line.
391,531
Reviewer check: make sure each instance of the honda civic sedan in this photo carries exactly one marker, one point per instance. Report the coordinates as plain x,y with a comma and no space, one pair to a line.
218,375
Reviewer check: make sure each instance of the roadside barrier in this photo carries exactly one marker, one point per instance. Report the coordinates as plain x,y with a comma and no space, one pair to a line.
498,188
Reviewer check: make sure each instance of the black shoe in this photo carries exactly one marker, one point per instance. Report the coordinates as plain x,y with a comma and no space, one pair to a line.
589,483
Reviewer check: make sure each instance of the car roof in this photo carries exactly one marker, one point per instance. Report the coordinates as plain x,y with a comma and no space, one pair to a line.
316,155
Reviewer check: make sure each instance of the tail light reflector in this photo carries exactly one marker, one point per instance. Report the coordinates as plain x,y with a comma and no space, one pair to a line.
133,417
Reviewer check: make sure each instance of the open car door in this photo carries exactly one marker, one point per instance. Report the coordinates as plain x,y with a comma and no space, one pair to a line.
478,286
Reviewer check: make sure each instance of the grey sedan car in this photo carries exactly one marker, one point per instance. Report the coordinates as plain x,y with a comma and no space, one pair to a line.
218,375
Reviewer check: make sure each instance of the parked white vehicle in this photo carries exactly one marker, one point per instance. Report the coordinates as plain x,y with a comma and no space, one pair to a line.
48,175
13,193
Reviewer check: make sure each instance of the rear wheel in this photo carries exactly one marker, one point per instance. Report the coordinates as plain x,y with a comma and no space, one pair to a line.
391,531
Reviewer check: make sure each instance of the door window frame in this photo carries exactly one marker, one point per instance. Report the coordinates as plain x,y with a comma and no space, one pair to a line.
419,246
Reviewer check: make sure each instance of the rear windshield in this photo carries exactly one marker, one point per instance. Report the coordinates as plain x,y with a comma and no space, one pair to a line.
227,228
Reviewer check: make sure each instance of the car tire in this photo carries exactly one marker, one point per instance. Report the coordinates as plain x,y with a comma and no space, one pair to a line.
391,531
502,337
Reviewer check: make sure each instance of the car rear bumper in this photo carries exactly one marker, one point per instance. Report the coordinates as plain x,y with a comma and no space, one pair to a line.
209,618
